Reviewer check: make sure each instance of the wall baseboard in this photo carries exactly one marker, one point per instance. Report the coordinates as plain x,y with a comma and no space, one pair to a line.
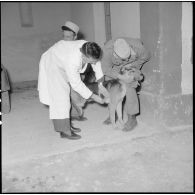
171,111
24,85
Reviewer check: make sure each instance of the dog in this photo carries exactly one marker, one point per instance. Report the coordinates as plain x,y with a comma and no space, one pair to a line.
112,91
116,92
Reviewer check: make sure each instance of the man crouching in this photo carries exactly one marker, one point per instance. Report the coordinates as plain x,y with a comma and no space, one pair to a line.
125,53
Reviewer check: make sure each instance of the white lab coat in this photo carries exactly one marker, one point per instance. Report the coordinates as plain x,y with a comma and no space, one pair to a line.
60,66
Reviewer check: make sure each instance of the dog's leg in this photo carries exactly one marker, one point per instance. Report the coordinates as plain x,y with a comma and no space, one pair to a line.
77,112
112,114
78,108
77,105
125,116
120,116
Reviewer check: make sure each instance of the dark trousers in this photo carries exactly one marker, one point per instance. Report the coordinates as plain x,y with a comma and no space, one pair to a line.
132,104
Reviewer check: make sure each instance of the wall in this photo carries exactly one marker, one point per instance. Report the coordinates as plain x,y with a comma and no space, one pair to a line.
99,23
125,19
162,99
186,66
82,15
21,46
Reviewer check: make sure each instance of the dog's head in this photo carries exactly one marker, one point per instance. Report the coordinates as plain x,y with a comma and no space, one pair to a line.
132,74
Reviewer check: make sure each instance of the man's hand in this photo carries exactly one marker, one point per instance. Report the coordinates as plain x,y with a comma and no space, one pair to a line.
126,67
97,99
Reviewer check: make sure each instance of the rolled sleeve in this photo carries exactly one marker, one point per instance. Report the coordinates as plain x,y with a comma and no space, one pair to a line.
97,68
144,56
76,82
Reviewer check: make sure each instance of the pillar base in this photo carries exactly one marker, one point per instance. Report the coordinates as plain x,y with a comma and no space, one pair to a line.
5,102
170,111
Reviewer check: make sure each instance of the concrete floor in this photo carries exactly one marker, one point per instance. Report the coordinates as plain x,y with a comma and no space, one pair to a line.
36,159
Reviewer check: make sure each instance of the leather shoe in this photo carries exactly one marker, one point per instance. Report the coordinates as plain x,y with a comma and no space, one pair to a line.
75,129
130,124
73,135
79,118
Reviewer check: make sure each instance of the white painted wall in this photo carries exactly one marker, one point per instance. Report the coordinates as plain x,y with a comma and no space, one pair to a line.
82,15
21,47
125,19
187,48
99,23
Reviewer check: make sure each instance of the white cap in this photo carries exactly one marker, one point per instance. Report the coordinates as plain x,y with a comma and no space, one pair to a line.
71,26
121,48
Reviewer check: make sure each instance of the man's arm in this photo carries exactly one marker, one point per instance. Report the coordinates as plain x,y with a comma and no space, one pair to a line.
143,57
76,82
107,65
142,54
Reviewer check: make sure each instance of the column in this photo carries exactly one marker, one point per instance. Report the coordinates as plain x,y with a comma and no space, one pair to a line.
161,99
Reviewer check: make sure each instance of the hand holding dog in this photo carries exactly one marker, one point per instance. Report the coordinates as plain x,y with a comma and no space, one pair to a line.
125,78
126,67
97,99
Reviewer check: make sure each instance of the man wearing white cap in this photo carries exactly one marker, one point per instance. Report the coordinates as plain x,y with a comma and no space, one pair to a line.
70,31
122,53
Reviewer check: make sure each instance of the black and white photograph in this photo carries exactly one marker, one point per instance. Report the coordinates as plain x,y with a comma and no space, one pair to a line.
96,97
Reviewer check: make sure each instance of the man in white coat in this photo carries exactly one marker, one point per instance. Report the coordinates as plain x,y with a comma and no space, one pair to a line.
59,69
